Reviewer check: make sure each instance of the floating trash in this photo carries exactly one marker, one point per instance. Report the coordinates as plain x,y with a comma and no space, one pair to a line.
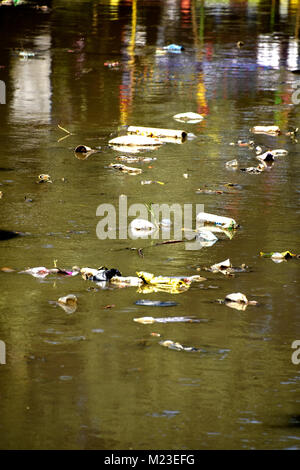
177,346
209,191
164,135
171,284
238,301
279,257
141,228
135,141
243,143
42,271
132,159
206,237
102,274
232,164
6,269
125,169
267,157
152,182
255,169
68,303
270,130
156,303
188,118
226,268
151,320
126,281
43,178
82,152
224,222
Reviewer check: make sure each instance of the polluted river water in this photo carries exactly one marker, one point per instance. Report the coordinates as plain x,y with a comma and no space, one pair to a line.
83,373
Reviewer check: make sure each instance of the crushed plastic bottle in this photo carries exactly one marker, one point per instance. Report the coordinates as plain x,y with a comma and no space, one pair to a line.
224,222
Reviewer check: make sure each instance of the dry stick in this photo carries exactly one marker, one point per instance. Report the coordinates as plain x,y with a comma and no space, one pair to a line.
63,129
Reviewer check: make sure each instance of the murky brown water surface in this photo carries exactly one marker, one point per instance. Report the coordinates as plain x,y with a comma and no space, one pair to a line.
95,379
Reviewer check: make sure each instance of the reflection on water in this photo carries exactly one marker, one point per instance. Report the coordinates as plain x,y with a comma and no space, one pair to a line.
93,378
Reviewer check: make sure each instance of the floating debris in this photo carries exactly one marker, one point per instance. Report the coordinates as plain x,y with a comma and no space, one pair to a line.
189,118
177,346
82,152
279,257
6,269
131,159
135,141
224,222
43,178
267,157
163,283
232,164
270,130
243,143
226,268
238,301
156,303
255,169
209,191
42,271
206,237
164,135
68,303
126,281
141,228
151,320
152,182
125,169
101,274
